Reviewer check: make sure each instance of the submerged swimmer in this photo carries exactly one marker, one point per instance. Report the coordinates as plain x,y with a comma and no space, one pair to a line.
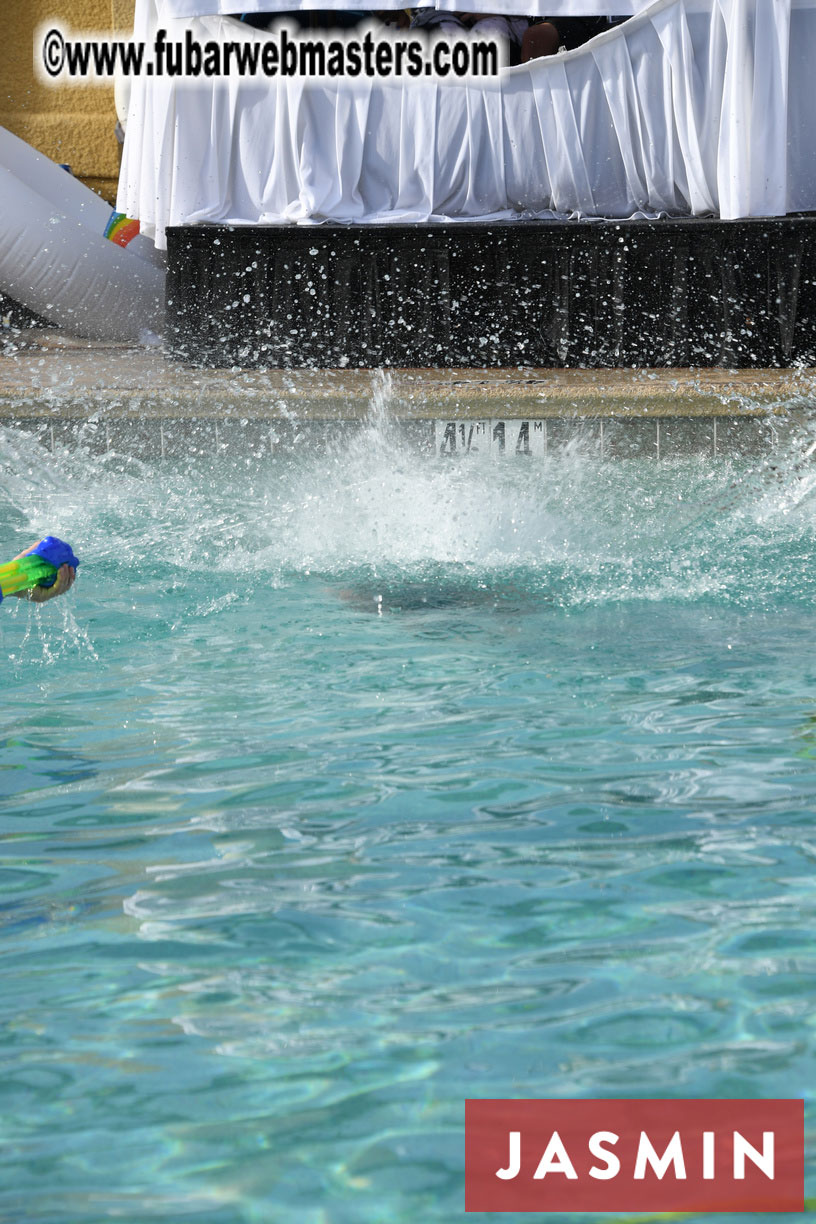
436,592
56,575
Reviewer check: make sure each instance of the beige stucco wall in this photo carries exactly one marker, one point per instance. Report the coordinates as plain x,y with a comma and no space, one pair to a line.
73,124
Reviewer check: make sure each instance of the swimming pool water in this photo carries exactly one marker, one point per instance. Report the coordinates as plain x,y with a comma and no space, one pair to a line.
345,786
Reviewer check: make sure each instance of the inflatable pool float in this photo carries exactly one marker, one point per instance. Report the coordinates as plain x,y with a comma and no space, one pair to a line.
56,259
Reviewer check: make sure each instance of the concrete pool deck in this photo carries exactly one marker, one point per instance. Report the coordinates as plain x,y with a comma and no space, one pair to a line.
108,397
52,375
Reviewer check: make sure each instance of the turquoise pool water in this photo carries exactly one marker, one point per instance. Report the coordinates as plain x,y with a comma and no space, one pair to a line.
346,786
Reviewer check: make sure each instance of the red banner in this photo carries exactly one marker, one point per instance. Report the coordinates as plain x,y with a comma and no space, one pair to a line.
601,1155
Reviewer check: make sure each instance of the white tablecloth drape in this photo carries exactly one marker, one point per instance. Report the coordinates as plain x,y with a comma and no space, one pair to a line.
170,9
694,107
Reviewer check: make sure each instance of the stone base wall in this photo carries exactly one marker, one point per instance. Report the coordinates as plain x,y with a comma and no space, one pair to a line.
76,124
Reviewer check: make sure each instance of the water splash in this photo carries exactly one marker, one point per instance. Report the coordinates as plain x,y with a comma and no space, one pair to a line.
375,513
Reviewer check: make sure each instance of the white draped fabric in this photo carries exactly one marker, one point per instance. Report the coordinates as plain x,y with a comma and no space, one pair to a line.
170,9
694,107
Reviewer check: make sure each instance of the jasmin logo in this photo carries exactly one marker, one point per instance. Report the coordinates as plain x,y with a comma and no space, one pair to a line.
556,1158
745,1156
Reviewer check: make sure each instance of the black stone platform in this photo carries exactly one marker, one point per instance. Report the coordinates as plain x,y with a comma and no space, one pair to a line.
678,292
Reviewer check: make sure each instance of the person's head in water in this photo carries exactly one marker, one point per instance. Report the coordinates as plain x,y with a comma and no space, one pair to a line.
62,581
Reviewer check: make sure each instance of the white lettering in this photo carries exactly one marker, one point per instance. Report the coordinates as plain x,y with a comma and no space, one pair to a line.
763,1160
555,1160
514,1162
611,1161
672,1155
